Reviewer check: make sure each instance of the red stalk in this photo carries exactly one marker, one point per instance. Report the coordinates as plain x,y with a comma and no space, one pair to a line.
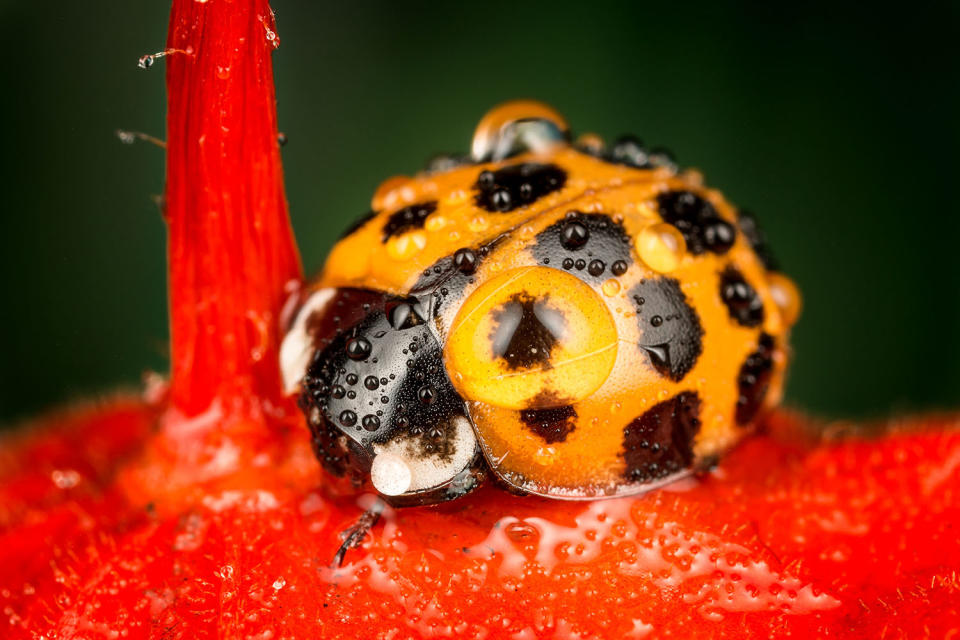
231,249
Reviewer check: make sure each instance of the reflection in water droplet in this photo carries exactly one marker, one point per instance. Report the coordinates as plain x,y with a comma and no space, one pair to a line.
661,247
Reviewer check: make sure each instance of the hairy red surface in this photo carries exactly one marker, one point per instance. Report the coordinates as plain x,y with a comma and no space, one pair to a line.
202,513
232,256
852,538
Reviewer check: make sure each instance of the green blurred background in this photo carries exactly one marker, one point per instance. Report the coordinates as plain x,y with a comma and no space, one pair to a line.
837,127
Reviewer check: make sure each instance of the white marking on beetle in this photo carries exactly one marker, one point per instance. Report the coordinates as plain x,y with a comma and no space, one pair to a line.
428,471
297,345
390,474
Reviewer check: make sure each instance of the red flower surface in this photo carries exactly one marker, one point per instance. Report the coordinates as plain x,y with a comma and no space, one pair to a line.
201,512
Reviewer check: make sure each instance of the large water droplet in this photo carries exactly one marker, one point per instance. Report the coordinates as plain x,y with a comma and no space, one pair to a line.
661,247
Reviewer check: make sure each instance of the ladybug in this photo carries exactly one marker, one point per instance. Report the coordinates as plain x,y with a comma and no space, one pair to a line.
572,319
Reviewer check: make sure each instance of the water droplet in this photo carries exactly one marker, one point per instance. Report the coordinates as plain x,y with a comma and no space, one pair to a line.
65,478
280,582
574,234
596,268
478,223
427,394
786,296
223,72
282,139
145,62
610,287
465,260
407,245
590,143
661,247
348,418
272,37
435,222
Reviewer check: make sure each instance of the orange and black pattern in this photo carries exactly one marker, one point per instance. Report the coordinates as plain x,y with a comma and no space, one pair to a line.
603,320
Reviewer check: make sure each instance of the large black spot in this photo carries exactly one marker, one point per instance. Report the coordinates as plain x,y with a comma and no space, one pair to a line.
408,218
357,224
586,244
517,185
525,331
753,381
757,239
672,333
395,388
698,221
660,442
743,302
553,424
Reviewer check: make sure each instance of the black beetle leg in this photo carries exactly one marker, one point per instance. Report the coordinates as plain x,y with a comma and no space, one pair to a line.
353,535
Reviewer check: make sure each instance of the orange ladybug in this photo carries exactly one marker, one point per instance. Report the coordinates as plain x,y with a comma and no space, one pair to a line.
575,320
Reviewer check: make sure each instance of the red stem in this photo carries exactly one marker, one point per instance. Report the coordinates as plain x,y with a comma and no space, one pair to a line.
231,249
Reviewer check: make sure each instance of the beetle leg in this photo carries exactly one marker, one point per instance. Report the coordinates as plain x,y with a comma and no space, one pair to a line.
353,535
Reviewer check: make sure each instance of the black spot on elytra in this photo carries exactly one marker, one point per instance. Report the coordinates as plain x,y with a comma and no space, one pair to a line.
525,332
757,239
742,300
595,239
553,424
672,335
517,185
753,381
357,224
660,442
377,376
408,218
698,221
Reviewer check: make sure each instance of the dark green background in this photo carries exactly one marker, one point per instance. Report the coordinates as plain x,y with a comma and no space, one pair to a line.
838,127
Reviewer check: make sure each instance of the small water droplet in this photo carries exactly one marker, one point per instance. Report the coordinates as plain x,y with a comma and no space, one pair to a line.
435,223
280,582
661,247
65,478
786,296
610,287
407,245
478,223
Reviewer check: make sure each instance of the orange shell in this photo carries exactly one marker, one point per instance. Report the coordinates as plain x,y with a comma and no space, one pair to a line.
562,429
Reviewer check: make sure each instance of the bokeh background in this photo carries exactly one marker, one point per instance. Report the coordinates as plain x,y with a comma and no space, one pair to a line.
837,126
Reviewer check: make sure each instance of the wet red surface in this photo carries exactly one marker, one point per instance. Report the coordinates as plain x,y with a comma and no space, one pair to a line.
849,538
